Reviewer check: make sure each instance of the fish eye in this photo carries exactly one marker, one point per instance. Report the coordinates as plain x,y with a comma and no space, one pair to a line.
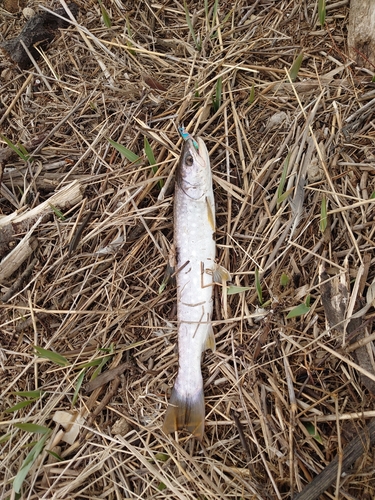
189,160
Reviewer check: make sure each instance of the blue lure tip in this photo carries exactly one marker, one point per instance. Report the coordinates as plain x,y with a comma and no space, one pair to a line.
185,135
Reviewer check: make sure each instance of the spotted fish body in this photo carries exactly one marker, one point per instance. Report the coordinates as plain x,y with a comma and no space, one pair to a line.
194,227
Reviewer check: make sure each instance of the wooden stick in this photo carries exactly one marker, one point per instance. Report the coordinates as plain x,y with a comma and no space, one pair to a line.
357,447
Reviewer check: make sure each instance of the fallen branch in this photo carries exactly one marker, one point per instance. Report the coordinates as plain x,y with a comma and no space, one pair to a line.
11,226
351,453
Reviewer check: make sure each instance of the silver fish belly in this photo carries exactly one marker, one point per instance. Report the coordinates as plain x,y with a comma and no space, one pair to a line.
194,227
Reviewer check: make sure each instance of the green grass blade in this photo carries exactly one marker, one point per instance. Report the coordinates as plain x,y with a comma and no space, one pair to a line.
106,18
232,289
129,155
258,286
285,195
19,150
20,405
280,189
322,11
28,463
89,364
55,455
57,212
151,159
150,155
311,429
98,370
162,457
298,311
29,394
284,280
190,26
24,151
80,378
323,215
34,428
52,356
206,9
129,44
218,93
214,13
293,72
103,362
5,437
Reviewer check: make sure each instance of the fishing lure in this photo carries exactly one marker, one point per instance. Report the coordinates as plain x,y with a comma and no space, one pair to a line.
185,135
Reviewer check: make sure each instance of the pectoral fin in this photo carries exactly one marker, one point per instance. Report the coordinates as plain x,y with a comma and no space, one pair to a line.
210,340
210,215
185,412
220,274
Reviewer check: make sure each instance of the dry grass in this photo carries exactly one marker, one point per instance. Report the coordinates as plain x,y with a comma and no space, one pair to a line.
270,376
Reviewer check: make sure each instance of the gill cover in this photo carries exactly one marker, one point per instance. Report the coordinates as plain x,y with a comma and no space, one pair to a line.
193,172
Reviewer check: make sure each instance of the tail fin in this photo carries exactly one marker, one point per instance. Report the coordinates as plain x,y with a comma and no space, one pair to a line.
185,412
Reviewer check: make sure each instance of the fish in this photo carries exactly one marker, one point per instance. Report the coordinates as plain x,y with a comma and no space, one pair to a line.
195,248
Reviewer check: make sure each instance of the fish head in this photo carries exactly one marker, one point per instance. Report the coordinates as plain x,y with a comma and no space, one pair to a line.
194,172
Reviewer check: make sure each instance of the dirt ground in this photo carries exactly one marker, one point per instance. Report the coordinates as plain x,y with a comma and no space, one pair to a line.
89,145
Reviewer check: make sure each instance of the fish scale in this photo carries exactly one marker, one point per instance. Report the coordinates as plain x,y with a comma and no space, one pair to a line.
194,214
